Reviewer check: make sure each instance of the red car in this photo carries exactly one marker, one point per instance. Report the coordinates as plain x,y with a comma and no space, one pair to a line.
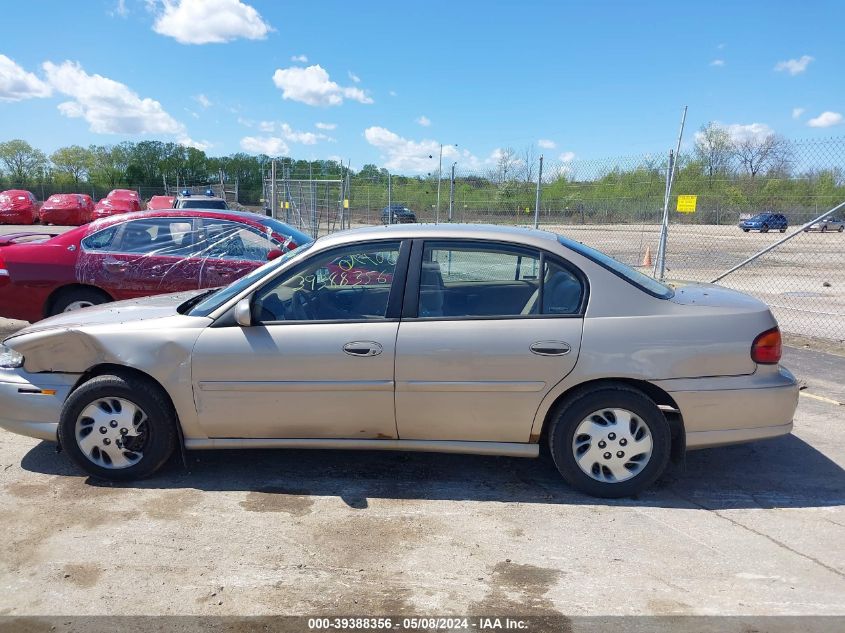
130,198
108,207
161,202
134,255
67,209
18,206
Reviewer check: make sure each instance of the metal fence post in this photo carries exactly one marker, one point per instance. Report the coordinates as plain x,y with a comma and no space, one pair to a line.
537,196
452,191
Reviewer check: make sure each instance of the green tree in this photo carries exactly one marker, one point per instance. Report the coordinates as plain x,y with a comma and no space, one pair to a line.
23,163
73,161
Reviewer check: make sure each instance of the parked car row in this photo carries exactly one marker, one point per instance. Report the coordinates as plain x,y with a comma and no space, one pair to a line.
18,206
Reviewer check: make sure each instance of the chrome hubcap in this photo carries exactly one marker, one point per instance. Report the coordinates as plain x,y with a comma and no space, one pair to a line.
612,445
77,305
111,432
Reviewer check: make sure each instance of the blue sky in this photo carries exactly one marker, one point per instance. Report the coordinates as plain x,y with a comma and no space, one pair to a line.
589,79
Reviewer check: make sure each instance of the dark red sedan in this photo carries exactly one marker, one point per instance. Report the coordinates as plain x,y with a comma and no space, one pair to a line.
66,209
134,255
18,206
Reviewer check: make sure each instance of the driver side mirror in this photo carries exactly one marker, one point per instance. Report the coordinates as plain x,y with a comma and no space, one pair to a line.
243,312
274,254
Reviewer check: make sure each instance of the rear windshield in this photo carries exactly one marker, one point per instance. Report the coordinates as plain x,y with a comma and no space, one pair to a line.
202,204
640,280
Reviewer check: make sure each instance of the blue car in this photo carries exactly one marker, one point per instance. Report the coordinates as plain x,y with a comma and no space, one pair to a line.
764,222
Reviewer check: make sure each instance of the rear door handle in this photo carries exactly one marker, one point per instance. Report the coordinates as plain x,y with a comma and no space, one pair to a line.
550,348
363,348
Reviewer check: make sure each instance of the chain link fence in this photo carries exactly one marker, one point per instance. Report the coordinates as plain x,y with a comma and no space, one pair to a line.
616,205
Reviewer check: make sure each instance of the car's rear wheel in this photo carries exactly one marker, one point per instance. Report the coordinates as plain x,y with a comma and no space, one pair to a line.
76,299
824,229
610,442
783,230
764,228
118,428
745,230
841,228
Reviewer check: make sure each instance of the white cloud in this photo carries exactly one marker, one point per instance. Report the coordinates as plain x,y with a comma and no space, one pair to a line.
826,119
303,59
402,154
393,93
794,66
720,46
566,157
187,141
546,143
325,126
204,101
355,78
120,9
312,86
208,21
246,122
423,120
16,84
797,112
739,132
287,133
718,62
296,136
270,145
108,106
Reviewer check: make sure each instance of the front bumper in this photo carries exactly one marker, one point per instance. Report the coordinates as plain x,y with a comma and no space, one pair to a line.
735,409
30,404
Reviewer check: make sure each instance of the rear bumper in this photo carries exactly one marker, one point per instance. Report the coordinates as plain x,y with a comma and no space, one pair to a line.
26,409
736,409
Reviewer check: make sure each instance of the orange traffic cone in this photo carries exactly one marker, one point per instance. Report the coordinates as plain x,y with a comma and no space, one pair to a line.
647,257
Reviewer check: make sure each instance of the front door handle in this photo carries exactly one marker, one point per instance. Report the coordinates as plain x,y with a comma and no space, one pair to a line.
363,348
550,348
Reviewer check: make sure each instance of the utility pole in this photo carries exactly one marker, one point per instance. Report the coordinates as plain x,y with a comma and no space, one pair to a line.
452,192
389,208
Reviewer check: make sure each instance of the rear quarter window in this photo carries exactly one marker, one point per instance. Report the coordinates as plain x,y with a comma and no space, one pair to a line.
101,240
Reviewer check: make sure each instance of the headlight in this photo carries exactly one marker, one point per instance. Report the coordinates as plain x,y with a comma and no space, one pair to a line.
9,358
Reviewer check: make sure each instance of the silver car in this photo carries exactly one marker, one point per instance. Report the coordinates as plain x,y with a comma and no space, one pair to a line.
828,224
456,338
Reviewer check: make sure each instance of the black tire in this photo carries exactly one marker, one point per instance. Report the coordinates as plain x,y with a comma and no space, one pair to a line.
745,230
161,437
841,228
566,420
69,296
783,230
764,228
824,229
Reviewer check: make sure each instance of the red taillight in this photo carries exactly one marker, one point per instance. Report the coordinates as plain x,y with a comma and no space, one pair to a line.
766,348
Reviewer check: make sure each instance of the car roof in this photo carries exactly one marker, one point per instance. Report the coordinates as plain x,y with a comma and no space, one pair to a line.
491,232
215,214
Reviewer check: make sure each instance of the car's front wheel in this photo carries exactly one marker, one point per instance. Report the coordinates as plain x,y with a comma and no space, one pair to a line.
610,442
118,427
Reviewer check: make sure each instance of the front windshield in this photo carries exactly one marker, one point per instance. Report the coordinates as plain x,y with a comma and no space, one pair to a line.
213,301
641,280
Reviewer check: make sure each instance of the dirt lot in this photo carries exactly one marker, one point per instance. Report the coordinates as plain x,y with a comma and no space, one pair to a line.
748,530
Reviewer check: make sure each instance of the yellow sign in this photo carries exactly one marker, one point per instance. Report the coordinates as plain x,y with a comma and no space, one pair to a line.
287,205
346,203
686,204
